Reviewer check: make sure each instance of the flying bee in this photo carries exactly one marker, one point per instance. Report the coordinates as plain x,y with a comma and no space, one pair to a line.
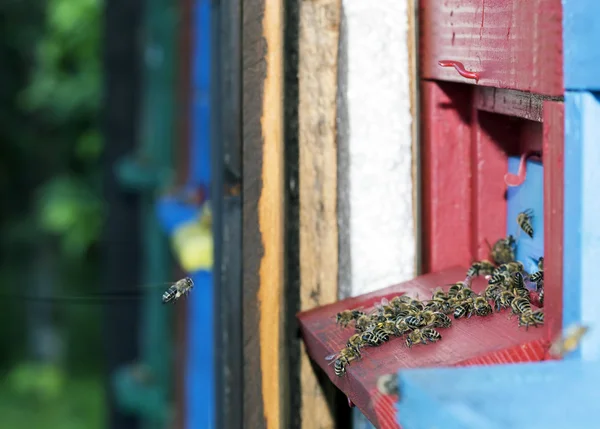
482,307
375,336
430,335
465,309
415,337
344,318
520,305
568,341
504,300
503,250
524,221
177,290
480,268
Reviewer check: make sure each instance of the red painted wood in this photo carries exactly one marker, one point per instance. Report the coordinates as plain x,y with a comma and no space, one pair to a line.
512,44
489,163
553,214
446,164
496,339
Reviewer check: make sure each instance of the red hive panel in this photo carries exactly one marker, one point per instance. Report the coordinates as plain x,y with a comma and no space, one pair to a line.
494,339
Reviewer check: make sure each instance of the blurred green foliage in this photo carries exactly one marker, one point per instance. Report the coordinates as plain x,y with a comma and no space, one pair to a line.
51,199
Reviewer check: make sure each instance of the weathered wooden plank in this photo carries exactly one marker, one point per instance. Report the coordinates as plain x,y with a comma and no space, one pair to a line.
263,203
413,44
524,105
318,59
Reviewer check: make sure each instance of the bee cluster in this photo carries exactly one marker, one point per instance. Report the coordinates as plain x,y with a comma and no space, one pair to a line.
418,321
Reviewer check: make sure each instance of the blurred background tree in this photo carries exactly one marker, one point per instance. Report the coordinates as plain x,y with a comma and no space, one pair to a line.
52,208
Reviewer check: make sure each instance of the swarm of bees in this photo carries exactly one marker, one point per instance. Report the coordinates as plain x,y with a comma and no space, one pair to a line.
419,321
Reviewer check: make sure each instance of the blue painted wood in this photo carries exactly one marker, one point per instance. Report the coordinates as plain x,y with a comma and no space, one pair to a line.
200,399
497,396
581,32
530,195
581,218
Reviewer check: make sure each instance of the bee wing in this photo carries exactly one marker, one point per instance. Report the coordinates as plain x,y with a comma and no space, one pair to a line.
384,301
468,281
331,357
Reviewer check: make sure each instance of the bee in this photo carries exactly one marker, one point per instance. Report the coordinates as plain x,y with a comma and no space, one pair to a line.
517,281
401,326
177,290
375,336
436,319
433,306
363,323
482,307
504,300
430,335
510,267
503,250
465,309
355,342
455,288
483,267
499,278
568,341
531,318
344,318
520,305
524,221
492,291
439,295
414,322
398,301
342,360
415,337
449,306
541,296
540,263
388,327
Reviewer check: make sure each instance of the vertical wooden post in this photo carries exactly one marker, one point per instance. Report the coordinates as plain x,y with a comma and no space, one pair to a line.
263,212
318,48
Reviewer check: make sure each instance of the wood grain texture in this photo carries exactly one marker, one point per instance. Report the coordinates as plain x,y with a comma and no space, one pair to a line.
263,212
446,184
510,43
413,44
510,102
553,158
317,80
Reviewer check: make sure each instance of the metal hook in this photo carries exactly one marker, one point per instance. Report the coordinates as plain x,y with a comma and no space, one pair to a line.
460,68
517,179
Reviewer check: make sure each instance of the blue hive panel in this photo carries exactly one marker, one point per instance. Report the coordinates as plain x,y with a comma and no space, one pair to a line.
496,397
529,195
